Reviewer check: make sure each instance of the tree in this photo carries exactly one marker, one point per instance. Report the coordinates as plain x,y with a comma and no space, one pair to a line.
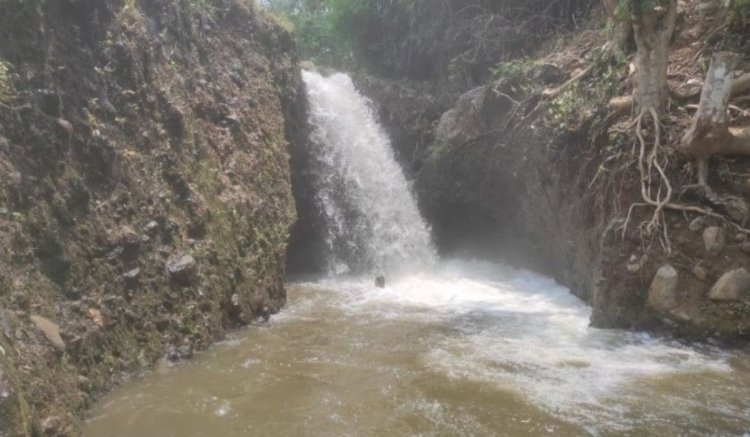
709,133
653,24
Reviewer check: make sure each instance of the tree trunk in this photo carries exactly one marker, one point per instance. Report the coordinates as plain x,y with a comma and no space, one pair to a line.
653,32
621,28
709,133
709,129
738,142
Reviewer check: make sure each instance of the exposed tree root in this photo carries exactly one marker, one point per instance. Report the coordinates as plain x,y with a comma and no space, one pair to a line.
647,163
621,104
659,193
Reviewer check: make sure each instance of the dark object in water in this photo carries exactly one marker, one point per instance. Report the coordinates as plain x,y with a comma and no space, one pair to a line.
380,282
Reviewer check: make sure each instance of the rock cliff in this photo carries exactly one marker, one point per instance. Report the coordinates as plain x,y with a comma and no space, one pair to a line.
145,191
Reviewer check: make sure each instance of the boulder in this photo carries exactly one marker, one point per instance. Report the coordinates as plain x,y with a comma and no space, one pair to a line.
700,273
50,330
380,282
662,295
715,238
181,269
731,287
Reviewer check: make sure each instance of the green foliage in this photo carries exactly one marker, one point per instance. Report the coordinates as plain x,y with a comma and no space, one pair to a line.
323,28
625,8
562,109
421,39
622,12
6,88
519,74
738,13
200,6
581,101
515,68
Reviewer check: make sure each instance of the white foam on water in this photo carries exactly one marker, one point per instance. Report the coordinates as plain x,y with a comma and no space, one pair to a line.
522,331
514,329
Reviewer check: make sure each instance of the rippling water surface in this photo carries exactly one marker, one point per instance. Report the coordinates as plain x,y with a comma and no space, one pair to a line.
469,348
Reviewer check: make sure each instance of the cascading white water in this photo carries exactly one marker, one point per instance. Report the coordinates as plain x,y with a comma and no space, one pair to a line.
373,223
462,348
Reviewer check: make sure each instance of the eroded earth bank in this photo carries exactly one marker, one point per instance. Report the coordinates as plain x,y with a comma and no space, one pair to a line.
145,196
154,157
536,159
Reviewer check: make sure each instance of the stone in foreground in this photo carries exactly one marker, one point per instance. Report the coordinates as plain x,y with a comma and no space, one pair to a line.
662,295
732,287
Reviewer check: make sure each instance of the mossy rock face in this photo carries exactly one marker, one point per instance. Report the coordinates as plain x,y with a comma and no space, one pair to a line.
141,131
10,411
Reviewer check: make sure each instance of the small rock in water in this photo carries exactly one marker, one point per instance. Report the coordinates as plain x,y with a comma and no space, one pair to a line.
50,330
265,313
380,282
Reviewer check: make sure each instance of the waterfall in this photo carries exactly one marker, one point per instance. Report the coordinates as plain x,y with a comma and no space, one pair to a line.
372,220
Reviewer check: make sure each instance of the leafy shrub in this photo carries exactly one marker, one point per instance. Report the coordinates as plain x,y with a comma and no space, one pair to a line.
739,13
424,39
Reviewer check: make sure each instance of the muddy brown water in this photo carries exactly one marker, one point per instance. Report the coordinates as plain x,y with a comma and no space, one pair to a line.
469,349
